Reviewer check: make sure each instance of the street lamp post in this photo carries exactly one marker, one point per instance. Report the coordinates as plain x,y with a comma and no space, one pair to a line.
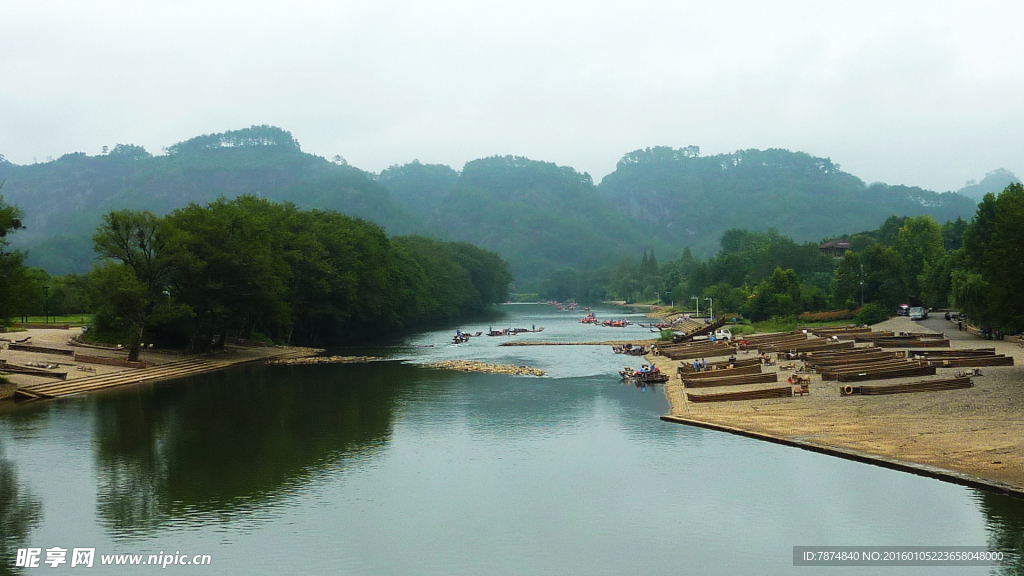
712,308
46,304
697,298
861,285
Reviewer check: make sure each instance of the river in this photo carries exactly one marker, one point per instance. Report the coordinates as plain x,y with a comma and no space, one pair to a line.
391,468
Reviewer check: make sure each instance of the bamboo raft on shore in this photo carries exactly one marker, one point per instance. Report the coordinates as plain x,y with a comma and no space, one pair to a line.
971,361
720,372
763,394
820,345
959,352
931,343
886,374
687,368
697,353
908,387
765,378
833,372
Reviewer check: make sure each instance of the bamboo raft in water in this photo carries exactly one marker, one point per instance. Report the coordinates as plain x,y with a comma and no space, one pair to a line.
908,387
763,394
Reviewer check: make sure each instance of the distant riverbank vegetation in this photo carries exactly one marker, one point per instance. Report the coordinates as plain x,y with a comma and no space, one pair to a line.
972,266
256,269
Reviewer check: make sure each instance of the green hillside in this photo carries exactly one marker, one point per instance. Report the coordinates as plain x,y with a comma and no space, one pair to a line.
692,199
539,216
63,200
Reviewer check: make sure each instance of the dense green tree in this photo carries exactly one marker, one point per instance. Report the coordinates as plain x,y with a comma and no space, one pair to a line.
919,244
132,240
994,254
252,268
778,296
11,261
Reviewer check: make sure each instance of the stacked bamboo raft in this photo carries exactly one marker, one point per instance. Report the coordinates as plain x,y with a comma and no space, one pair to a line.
929,343
963,358
953,353
816,345
905,340
696,350
878,371
766,393
739,380
908,387
841,332
688,371
834,364
686,368
767,340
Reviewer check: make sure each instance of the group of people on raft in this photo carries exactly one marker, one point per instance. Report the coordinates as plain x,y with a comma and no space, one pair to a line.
649,374
628,348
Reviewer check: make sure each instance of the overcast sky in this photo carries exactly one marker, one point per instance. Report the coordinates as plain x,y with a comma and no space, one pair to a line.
923,93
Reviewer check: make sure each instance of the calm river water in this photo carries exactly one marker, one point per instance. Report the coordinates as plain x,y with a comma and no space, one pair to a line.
390,468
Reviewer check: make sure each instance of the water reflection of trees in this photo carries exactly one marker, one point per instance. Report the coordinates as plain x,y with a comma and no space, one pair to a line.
1005,517
231,442
20,511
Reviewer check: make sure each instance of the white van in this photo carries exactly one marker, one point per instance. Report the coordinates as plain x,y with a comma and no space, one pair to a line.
918,313
723,334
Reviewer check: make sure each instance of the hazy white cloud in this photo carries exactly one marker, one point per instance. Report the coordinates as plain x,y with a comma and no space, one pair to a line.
924,93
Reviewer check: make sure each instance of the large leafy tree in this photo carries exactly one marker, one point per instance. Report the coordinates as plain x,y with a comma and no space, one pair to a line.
994,249
11,262
129,286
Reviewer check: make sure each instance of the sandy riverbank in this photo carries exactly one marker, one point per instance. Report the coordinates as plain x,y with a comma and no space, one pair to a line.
978,431
90,376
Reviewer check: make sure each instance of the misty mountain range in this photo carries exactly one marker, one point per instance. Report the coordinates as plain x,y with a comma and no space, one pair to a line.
537,215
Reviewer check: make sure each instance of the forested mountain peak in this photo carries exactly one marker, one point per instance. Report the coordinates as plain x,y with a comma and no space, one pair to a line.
994,182
254,136
691,199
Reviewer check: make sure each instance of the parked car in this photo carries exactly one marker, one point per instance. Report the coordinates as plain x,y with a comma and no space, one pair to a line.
918,313
723,334
903,310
